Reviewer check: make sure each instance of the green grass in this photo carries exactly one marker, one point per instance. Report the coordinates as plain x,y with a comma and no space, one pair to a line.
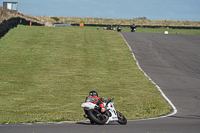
162,30
46,74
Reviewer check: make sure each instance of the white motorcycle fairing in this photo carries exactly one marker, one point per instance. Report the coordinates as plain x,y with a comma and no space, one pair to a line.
88,106
111,108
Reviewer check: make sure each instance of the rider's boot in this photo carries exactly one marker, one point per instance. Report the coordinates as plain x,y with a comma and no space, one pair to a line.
85,115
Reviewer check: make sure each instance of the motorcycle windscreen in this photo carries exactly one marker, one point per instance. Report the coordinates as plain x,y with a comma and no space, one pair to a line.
90,99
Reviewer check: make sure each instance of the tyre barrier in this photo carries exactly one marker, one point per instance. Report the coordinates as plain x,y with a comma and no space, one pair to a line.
11,23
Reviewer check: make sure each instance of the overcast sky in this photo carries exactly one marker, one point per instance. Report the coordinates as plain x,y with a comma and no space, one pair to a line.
122,9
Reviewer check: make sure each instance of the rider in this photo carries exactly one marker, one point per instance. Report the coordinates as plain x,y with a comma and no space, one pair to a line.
96,100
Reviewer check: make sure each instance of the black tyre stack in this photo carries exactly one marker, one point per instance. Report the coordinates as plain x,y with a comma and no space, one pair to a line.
6,25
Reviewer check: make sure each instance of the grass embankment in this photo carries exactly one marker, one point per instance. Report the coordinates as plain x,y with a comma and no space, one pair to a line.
6,14
106,21
46,74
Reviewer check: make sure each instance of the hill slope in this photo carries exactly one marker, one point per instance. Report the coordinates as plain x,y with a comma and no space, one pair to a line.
6,14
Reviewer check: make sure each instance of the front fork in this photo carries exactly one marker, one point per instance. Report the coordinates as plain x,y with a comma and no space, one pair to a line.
86,114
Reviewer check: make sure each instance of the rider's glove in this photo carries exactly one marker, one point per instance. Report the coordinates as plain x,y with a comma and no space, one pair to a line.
102,99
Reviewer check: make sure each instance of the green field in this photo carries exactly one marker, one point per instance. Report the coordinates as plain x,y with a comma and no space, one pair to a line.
46,74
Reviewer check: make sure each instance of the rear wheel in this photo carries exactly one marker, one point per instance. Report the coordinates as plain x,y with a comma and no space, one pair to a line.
96,117
121,119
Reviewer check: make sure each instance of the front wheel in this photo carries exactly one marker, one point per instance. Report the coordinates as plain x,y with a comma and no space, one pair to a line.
96,117
121,119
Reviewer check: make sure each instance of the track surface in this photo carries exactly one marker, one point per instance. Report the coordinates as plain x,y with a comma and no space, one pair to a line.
173,63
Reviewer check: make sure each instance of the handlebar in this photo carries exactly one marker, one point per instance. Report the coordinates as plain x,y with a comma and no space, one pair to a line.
109,101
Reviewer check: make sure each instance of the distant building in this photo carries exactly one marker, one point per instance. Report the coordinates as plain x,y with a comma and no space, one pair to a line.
11,5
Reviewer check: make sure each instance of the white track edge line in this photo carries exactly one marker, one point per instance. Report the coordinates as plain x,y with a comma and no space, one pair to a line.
166,98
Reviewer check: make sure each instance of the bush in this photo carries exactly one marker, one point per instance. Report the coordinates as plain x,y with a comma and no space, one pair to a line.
55,18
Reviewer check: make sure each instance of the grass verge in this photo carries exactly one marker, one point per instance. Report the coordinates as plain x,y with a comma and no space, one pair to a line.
46,74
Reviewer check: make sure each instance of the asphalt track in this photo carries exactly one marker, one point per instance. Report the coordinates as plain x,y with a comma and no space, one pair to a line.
173,63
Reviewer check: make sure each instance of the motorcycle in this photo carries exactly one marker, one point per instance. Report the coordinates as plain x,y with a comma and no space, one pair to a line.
133,27
109,116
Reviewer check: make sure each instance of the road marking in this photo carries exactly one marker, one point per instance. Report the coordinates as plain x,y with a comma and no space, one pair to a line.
166,98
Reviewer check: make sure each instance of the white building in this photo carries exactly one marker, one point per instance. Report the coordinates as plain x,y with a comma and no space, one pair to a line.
11,5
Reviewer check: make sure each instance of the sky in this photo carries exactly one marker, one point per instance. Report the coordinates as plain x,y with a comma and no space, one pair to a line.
120,9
